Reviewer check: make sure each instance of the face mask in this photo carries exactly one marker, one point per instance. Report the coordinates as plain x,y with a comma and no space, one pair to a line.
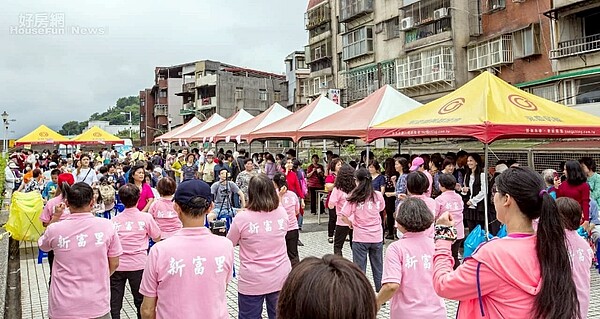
399,233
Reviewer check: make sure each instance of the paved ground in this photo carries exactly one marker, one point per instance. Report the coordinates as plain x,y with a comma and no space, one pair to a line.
35,277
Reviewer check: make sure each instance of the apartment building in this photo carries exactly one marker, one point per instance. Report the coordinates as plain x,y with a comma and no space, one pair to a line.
574,54
296,81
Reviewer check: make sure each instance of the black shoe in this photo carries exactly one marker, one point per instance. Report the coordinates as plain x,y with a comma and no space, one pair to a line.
300,243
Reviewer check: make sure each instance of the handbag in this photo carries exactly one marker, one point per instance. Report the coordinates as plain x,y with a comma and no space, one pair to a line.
476,237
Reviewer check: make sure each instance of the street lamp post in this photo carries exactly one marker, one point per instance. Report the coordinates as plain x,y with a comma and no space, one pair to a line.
4,141
130,122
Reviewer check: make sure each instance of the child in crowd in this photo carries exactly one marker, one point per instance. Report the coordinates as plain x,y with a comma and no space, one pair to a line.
289,201
581,254
450,201
163,209
260,231
408,268
50,189
361,213
87,251
134,229
98,208
186,276
326,288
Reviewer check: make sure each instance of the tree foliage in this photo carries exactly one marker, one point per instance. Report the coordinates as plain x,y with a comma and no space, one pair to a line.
112,115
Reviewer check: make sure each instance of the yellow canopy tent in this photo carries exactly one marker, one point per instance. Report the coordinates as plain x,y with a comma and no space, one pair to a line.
41,135
96,135
488,109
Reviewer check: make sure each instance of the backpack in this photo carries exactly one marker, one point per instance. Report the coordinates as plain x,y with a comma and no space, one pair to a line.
302,181
107,192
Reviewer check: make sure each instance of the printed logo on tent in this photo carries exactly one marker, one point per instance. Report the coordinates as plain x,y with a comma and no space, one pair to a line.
96,134
43,134
522,102
452,106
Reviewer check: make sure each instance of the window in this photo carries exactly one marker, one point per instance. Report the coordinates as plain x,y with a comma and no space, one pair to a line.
262,94
300,63
162,93
302,85
490,53
276,96
358,42
316,86
361,83
341,63
547,92
142,102
352,8
239,93
582,90
317,16
320,50
430,66
526,42
141,117
494,5
392,28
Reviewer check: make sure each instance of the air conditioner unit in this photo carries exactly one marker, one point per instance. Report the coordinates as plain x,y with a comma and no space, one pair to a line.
322,85
440,13
406,23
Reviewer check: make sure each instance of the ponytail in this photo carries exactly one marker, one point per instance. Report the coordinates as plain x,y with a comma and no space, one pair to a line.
555,267
364,190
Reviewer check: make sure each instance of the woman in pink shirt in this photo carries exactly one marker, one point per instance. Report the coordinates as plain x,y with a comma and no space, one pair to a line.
187,275
291,204
523,275
162,209
579,250
408,270
450,201
361,213
87,251
344,184
260,231
333,168
134,229
137,176
416,185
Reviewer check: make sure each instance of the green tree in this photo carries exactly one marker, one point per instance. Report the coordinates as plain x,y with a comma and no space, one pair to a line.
70,128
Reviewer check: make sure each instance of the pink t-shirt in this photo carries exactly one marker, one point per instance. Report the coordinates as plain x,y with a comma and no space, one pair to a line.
581,260
291,204
165,215
338,198
451,202
365,218
188,274
145,195
264,264
409,263
134,229
80,285
48,210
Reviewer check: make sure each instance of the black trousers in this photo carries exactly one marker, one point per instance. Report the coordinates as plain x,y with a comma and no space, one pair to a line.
390,222
455,247
117,291
291,242
340,237
331,223
50,262
313,200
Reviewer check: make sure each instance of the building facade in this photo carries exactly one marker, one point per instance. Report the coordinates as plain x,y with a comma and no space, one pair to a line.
574,54
296,80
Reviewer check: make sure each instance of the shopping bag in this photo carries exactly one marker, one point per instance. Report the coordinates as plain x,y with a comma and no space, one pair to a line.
476,237
24,218
502,232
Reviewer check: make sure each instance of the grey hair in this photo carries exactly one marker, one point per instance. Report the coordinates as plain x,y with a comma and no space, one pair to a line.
414,215
548,176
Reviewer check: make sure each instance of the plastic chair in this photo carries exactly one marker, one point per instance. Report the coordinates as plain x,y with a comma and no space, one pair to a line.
41,255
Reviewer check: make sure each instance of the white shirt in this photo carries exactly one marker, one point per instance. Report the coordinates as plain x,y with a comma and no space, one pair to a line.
85,175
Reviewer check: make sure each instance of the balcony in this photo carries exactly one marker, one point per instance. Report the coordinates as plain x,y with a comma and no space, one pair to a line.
206,80
577,46
189,87
433,68
350,9
188,109
161,110
317,16
206,103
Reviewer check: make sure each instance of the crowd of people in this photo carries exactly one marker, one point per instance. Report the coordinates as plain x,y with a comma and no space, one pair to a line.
150,220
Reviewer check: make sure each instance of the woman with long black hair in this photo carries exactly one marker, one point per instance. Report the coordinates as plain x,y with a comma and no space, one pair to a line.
473,193
523,275
362,214
344,184
390,175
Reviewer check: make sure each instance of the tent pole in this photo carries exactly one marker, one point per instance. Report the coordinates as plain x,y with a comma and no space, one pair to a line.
340,147
367,160
484,186
324,155
263,146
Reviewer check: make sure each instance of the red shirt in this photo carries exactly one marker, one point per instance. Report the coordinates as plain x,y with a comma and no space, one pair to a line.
314,180
294,184
580,193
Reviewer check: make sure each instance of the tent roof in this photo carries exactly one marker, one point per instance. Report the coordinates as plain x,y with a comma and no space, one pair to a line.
42,135
274,113
236,119
287,128
210,122
489,109
357,120
191,123
96,135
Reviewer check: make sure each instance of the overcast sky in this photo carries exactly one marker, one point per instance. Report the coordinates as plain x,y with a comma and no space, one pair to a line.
51,79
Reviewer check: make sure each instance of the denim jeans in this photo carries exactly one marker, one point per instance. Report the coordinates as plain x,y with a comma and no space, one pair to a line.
251,307
375,253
